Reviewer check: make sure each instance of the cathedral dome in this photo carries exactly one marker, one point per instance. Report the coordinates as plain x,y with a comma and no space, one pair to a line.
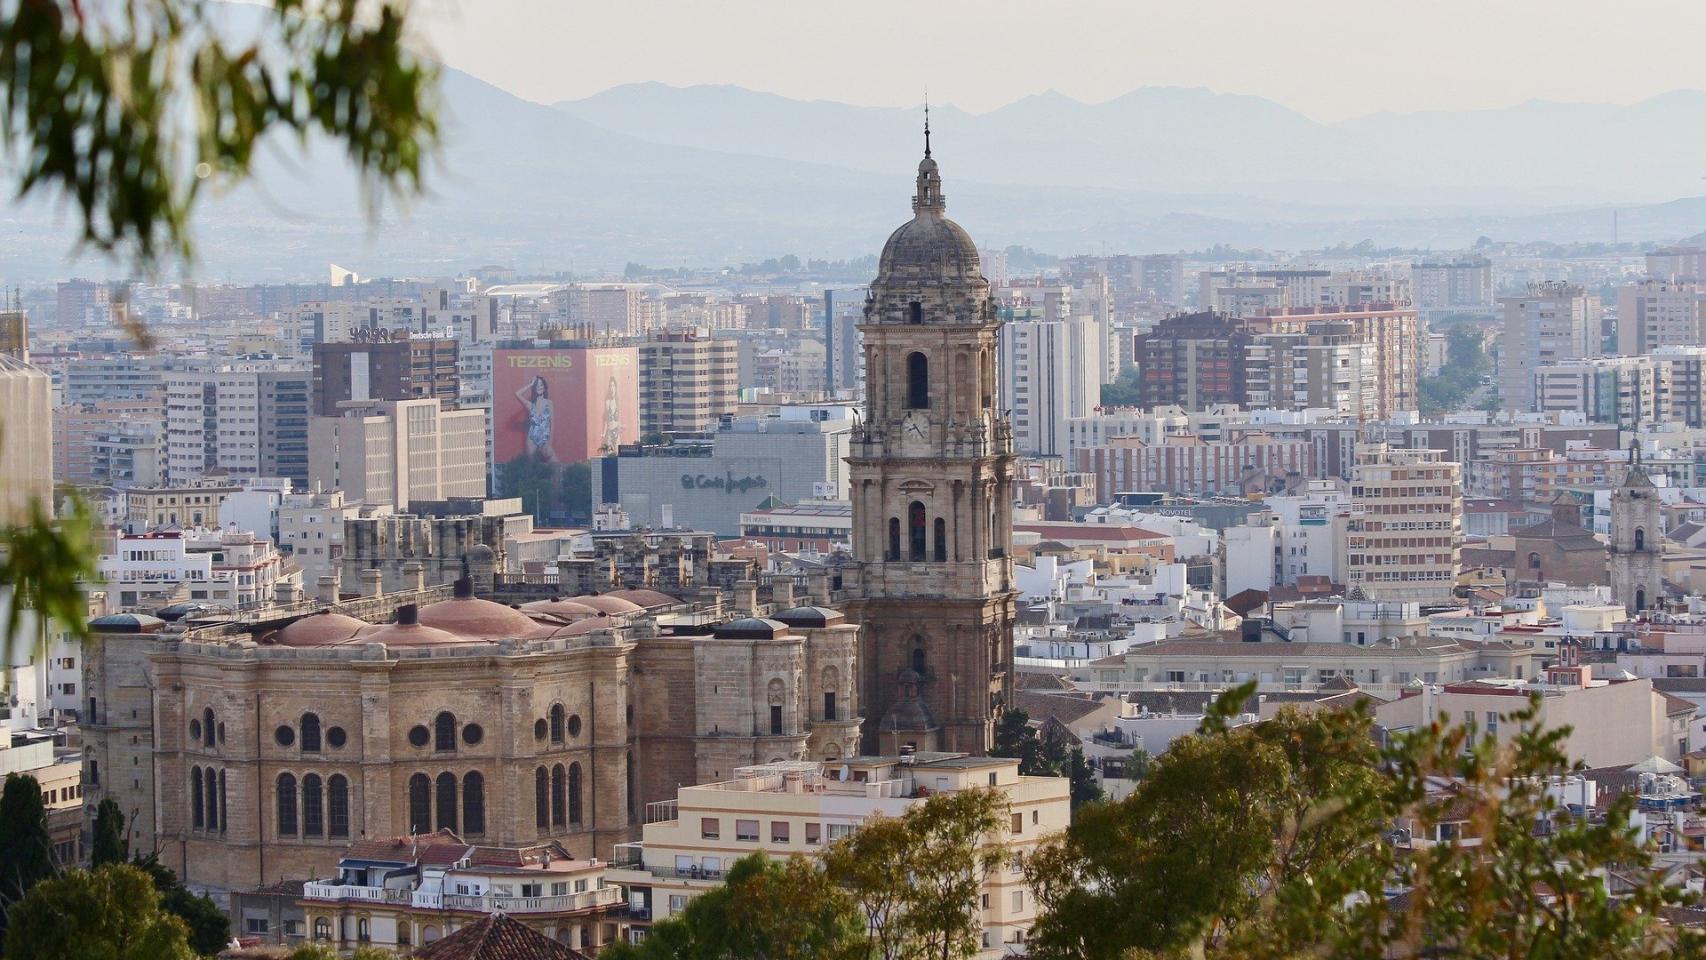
320,629
929,249
477,619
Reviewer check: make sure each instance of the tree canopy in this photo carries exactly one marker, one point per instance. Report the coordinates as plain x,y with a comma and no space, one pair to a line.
112,912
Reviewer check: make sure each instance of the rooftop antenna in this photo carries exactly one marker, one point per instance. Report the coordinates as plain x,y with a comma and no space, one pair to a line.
927,121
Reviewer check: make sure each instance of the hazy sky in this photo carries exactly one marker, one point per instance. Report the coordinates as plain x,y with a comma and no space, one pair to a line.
1329,59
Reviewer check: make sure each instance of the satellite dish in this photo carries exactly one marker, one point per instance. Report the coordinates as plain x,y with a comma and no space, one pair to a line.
846,772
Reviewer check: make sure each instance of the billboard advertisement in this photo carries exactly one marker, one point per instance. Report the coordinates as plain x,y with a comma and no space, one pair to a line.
568,403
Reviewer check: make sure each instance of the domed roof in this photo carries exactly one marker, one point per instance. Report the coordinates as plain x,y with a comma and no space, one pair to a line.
410,635
475,618
929,248
811,617
480,551
319,630
608,603
127,623
566,609
750,628
645,598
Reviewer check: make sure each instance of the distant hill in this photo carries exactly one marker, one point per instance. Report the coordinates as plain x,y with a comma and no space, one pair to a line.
709,175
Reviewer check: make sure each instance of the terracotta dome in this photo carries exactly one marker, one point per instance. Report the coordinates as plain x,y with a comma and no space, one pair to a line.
645,598
566,609
609,603
409,635
319,630
477,619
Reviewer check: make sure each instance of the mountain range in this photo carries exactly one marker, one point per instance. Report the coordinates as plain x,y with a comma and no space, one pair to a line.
709,175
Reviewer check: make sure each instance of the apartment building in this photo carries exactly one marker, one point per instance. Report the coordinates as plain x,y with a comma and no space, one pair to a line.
311,531
1051,371
1655,313
191,505
399,451
793,807
1672,263
233,570
243,421
1253,464
26,441
1553,322
1405,528
688,381
1626,391
1456,286
1687,365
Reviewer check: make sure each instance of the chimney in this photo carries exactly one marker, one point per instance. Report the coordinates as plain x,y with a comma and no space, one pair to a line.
782,592
408,615
372,582
414,576
711,601
326,588
284,593
746,598
817,586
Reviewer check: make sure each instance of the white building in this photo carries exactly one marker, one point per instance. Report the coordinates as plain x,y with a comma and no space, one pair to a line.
1551,323
233,570
245,420
1405,529
1660,313
26,441
1051,371
399,451
311,531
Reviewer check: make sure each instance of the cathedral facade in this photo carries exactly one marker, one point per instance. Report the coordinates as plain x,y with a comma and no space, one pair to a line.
931,476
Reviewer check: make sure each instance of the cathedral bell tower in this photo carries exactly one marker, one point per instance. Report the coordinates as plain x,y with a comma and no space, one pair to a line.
1637,571
931,478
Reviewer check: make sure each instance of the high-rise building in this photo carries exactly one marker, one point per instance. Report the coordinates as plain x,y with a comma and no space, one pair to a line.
1051,371
688,381
566,400
1687,367
1195,360
1660,313
399,452
244,422
1551,323
1456,286
602,309
1677,263
26,441
1161,276
15,335
932,488
1637,541
1403,537
83,303
384,368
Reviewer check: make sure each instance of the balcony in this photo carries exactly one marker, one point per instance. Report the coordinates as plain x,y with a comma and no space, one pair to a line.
488,903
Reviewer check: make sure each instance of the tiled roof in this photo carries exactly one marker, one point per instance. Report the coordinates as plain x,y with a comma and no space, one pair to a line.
497,937
1063,707
399,849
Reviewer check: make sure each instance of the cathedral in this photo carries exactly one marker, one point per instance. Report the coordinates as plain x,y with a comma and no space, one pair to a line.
931,477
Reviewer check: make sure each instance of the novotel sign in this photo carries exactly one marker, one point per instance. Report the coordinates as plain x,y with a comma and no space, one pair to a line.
728,483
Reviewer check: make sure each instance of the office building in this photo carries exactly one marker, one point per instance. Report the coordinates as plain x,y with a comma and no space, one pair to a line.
1405,527
1551,323
399,451
688,382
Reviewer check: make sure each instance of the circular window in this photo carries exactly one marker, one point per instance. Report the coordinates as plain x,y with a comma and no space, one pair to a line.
575,725
539,729
284,735
335,736
222,731
472,734
418,735
195,729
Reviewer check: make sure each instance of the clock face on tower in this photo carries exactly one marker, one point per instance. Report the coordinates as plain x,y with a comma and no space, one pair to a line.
932,499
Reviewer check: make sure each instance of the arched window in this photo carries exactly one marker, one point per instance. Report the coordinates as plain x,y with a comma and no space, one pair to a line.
941,540
918,663
915,526
443,732
915,312
829,687
574,794
894,538
1534,561
447,801
322,928
1640,539
557,804
337,803
917,381
212,789
286,805
313,806
1640,599
207,726
223,819
420,804
310,733
363,930
541,799
473,803
196,815
556,723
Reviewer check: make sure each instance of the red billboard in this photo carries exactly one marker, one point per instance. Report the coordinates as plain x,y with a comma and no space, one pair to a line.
568,403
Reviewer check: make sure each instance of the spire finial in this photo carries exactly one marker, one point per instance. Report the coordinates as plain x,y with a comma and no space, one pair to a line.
926,121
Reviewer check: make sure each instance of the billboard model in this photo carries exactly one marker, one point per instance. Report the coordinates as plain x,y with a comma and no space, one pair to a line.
568,403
